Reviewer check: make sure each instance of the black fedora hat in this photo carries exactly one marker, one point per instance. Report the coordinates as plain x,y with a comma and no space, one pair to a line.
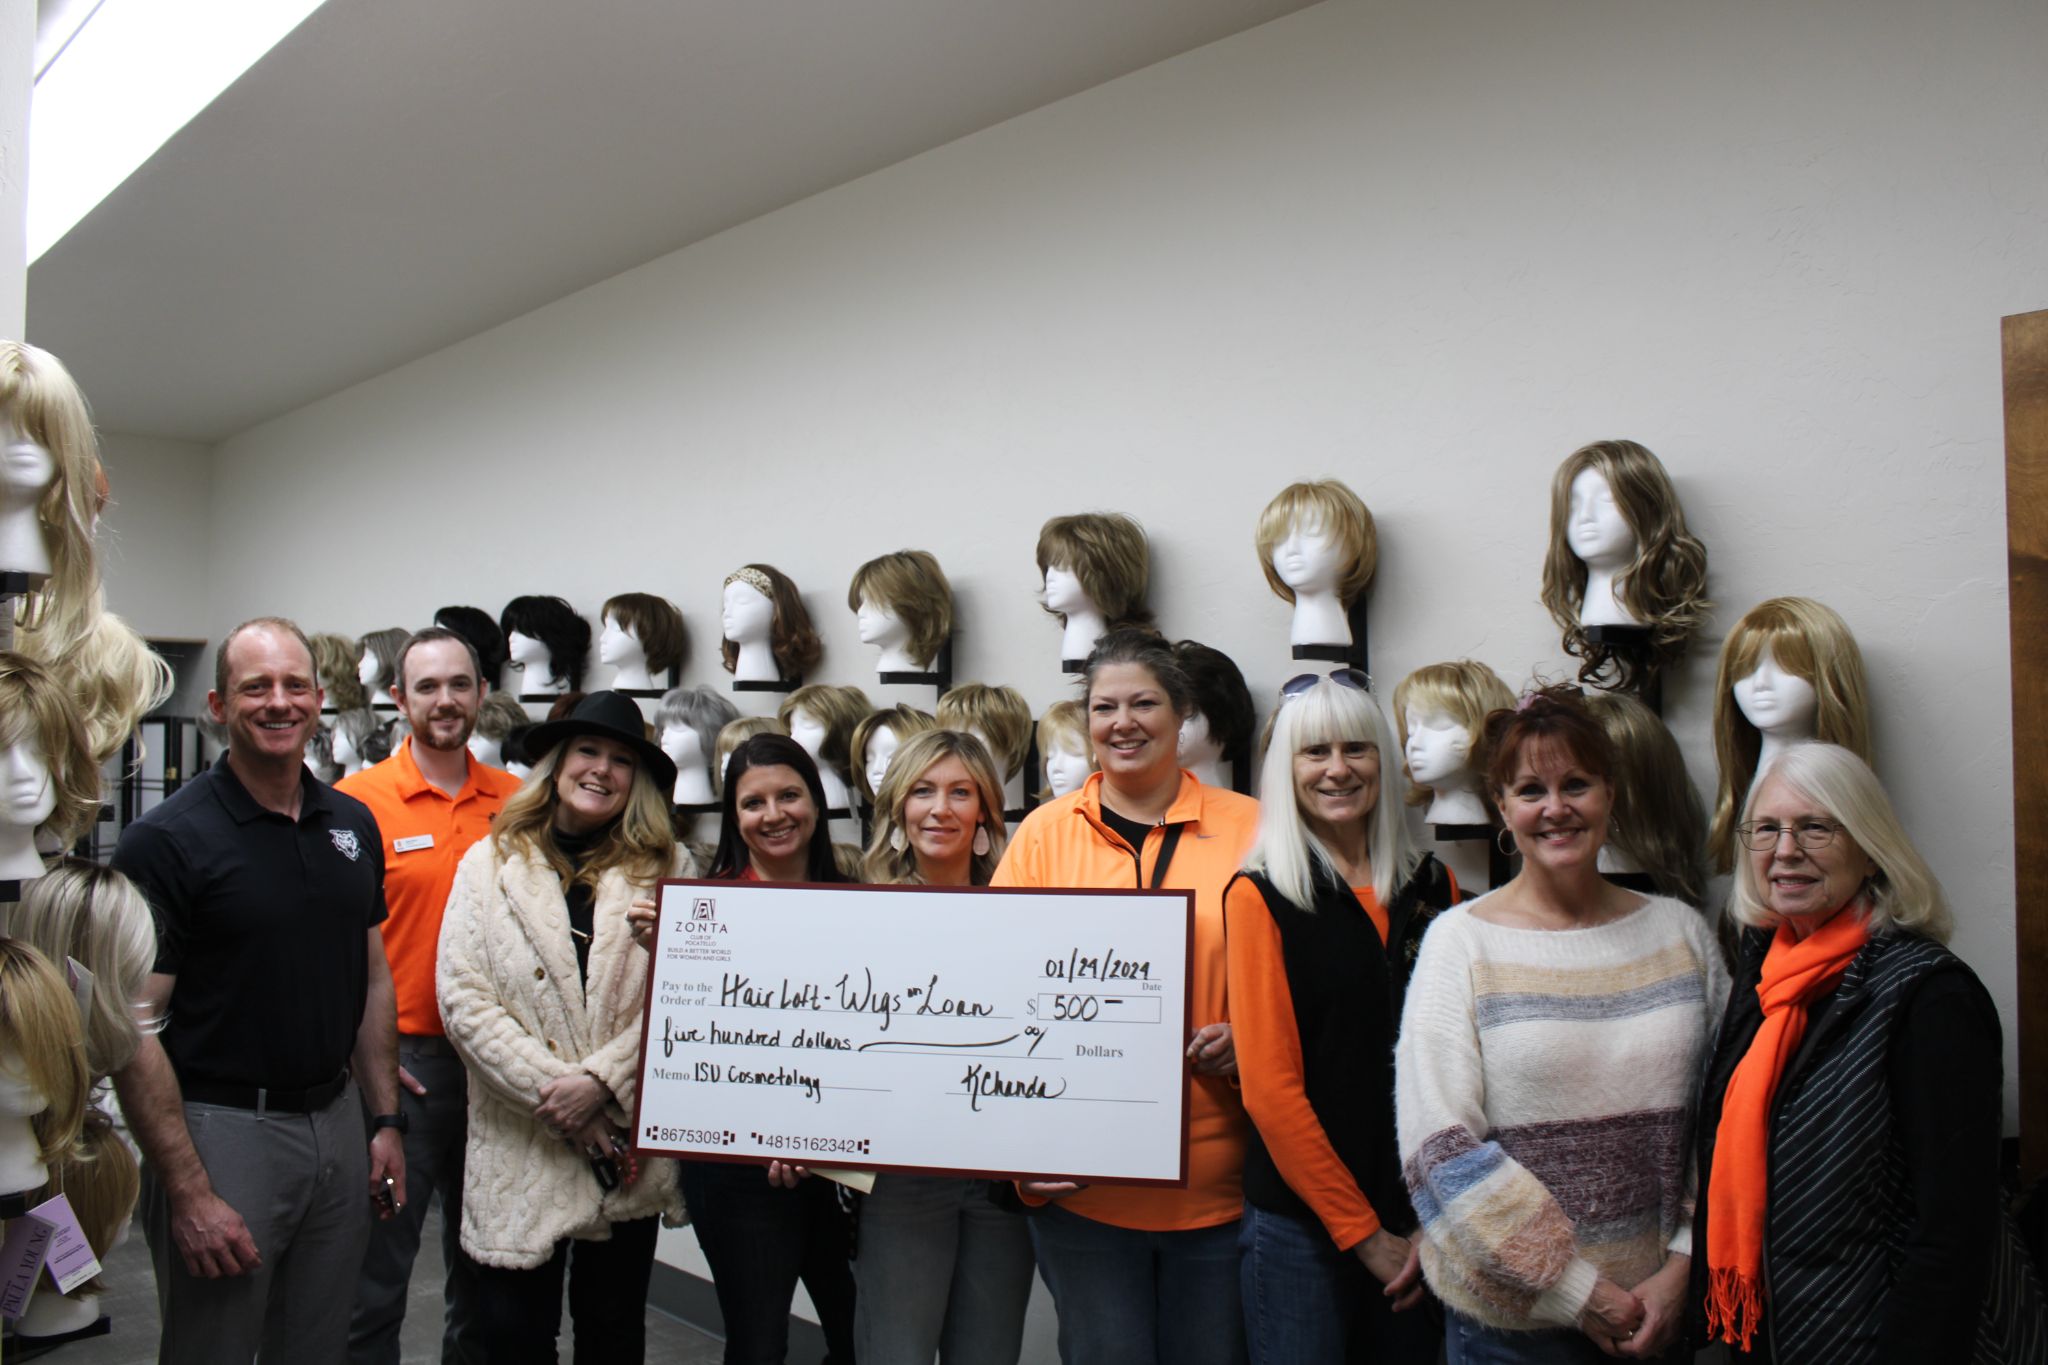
614,716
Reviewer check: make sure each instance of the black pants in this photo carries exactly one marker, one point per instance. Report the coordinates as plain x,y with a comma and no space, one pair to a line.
760,1240
520,1311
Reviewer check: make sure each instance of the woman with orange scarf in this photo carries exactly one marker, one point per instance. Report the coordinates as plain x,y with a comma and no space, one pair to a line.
1849,1209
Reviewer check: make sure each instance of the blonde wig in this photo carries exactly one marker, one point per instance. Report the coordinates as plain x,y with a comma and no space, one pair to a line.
40,400
656,623
842,709
640,840
887,865
1465,690
910,584
900,720
81,909
100,1179
39,1026
735,733
1658,822
1064,726
334,663
1328,506
1903,895
111,673
1665,585
1000,714
498,715
384,645
791,636
1810,641
36,709
1286,850
1107,553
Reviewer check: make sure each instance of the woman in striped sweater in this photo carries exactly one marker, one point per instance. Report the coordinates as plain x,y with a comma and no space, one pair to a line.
1550,1052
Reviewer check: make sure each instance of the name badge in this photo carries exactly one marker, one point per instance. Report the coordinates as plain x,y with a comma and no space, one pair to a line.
417,841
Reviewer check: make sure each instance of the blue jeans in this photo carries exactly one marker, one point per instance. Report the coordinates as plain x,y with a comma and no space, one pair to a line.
1307,1303
1127,1297
760,1240
1467,1342
942,1271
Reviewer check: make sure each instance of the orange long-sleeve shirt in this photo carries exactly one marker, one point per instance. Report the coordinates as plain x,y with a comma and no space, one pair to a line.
1066,843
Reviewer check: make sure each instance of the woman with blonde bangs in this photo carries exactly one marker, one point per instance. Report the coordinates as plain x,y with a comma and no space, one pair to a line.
944,1272
1324,925
1663,583
541,983
1808,641
1848,1138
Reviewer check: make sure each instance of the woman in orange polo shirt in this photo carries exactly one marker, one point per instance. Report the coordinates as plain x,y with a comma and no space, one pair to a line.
1143,1275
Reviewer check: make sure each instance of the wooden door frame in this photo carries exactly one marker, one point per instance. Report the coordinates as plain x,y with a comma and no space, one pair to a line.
2025,346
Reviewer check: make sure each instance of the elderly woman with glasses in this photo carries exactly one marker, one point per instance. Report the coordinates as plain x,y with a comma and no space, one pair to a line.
1323,925
1850,1117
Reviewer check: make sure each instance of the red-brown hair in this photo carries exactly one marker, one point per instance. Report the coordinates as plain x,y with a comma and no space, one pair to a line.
1556,714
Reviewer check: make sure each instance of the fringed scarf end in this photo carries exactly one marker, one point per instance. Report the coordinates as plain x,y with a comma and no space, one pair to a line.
1735,1304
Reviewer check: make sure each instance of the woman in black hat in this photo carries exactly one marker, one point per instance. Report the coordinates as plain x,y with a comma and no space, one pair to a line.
541,986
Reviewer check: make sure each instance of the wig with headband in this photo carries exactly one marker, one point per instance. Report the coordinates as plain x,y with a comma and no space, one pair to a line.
792,638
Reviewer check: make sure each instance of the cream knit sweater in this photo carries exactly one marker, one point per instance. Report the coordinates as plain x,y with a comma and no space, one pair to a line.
1544,1099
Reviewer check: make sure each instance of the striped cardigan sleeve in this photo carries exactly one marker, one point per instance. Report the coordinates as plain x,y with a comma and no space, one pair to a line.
1495,1245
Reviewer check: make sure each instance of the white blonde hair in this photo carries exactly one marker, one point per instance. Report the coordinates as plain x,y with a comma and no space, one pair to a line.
1286,850
1903,895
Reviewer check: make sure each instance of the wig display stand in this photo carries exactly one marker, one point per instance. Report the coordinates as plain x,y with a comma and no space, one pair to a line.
1073,668
940,679
20,1348
13,586
1240,760
767,684
1500,867
1356,653
1632,644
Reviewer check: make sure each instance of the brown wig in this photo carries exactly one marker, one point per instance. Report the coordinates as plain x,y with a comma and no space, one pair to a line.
656,623
791,636
910,584
1107,553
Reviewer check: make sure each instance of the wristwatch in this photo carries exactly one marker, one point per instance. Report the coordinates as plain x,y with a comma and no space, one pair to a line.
383,1121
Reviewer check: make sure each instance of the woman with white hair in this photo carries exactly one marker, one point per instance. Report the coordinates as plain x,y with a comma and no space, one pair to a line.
1323,927
1849,1122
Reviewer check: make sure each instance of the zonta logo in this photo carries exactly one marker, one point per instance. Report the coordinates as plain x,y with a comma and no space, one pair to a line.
703,917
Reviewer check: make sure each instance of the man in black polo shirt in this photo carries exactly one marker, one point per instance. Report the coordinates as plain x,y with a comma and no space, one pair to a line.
268,890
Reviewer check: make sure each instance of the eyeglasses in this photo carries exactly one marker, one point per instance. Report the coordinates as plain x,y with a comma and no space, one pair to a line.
1763,835
1301,684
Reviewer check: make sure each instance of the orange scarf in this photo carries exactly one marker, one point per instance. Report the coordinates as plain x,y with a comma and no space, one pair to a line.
1795,973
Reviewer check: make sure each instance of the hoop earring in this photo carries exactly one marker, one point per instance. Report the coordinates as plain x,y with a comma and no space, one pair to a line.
1505,842
982,843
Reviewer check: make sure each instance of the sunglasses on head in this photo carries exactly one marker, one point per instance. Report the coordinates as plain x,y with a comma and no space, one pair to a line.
1301,683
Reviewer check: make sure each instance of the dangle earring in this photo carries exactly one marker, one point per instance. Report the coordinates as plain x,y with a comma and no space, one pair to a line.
898,839
1505,842
981,841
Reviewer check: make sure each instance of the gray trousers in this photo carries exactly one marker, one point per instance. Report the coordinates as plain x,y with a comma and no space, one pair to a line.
302,1184
437,1128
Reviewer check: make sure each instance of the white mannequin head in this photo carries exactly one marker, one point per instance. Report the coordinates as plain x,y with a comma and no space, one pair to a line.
1308,558
619,646
1064,593
807,730
904,607
1439,749
1595,528
1066,767
21,1162
882,747
684,746
1778,702
367,669
880,627
347,757
1063,747
26,471
1198,748
746,615
27,796
530,654
486,750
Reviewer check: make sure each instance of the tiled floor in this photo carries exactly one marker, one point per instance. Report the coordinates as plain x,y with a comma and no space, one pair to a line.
131,1302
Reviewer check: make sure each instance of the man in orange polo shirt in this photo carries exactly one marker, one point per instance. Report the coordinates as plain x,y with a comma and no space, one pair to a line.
432,800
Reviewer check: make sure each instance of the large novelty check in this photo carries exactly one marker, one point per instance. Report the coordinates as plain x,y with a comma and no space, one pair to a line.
999,1033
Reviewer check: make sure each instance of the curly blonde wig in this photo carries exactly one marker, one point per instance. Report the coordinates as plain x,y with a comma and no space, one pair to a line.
1665,585
1329,506
36,709
111,672
41,401
1810,640
910,584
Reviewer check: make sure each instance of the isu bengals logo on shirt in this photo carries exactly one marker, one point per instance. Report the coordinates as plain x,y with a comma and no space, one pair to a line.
345,840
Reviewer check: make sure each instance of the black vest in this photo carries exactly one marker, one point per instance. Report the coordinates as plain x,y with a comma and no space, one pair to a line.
1347,990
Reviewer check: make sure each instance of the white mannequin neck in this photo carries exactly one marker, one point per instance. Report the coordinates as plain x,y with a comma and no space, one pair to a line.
835,787
1603,605
633,676
693,785
19,860
1319,619
534,678
895,658
21,537
1084,628
1215,772
756,663
1455,802
486,750
1612,859
1777,740
51,1314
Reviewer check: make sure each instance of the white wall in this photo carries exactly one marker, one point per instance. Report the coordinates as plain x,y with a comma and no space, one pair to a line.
153,536
1429,249
17,86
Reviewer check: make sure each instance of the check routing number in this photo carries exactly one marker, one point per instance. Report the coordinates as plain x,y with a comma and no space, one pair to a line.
999,1033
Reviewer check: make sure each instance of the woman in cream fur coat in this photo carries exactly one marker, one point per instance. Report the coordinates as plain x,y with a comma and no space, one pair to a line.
541,990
